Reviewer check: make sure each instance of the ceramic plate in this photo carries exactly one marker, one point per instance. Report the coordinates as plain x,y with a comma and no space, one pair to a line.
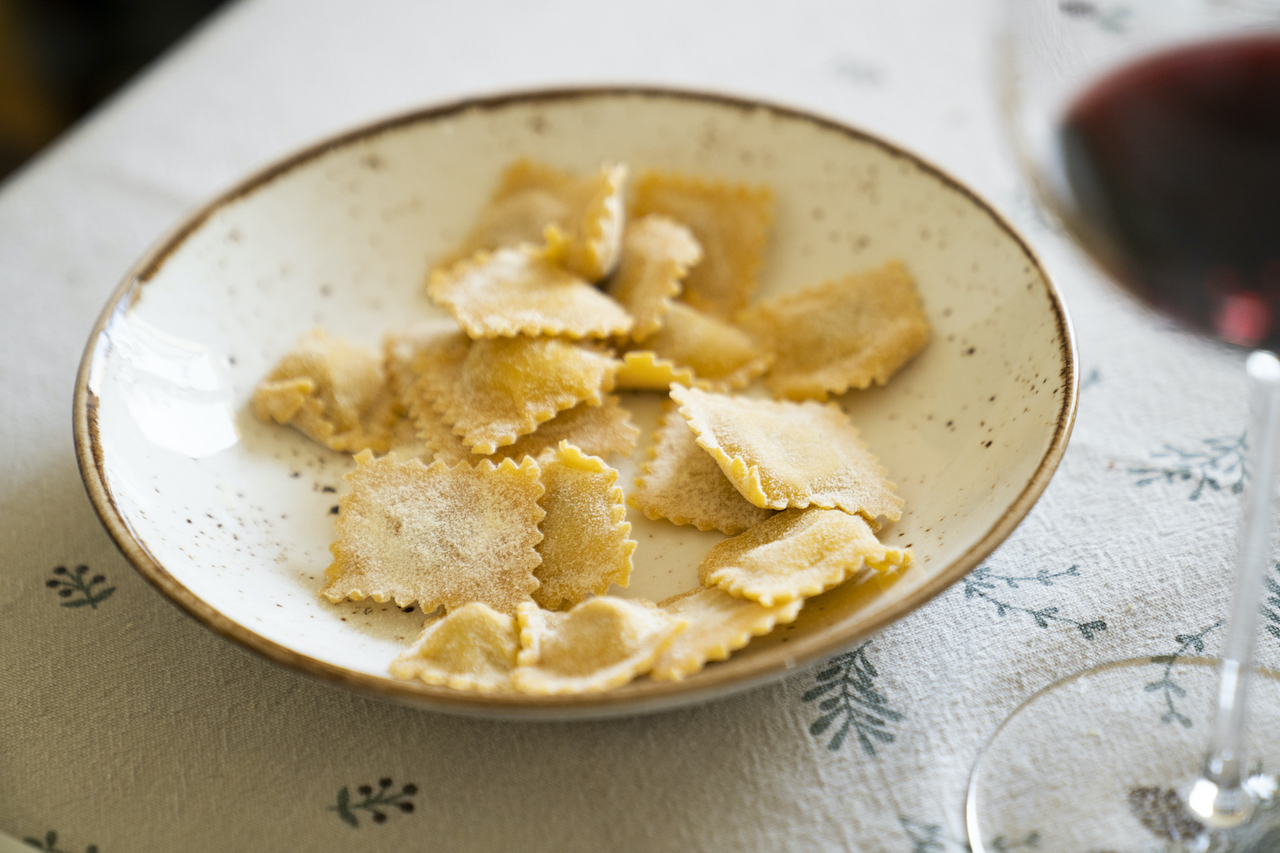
231,518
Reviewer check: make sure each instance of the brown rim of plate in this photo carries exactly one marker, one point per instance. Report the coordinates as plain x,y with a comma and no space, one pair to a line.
721,679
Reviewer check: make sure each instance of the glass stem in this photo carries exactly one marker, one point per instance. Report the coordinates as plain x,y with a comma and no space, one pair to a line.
1219,795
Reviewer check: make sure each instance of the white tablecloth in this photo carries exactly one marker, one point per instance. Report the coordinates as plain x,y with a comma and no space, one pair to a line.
128,726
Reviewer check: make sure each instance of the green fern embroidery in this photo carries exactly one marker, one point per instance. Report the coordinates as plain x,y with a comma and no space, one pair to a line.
848,683
982,583
377,803
71,583
1003,845
929,837
1166,685
1219,463
50,842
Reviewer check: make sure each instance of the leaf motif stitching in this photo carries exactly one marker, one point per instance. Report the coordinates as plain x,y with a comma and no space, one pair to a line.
851,702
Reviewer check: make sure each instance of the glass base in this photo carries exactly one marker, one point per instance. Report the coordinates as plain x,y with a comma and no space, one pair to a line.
1099,761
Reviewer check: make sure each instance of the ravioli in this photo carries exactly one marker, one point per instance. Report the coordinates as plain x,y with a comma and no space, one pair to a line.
437,535
472,648
596,430
600,644
591,242
657,253
400,350
781,454
520,292
729,221
717,625
332,392
848,333
508,221
584,211
519,556
797,554
683,483
643,370
586,542
494,391
721,355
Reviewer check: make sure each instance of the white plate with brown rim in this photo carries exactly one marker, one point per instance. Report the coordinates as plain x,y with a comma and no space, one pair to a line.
231,518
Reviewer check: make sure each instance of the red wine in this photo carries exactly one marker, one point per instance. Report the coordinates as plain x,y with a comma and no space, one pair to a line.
1174,168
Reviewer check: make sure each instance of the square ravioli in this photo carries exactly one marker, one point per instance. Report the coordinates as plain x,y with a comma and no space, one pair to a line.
520,292
332,392
845,334
600,644
596,430
719,354
585,213
494,391
400,351
718,625
657,253
586,542
683,483
780,454
437,536
797,554
472,648
729,221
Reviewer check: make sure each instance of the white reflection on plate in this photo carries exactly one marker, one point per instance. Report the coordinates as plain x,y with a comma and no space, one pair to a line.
176,390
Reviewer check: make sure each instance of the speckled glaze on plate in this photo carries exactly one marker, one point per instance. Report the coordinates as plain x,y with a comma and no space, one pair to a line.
231,519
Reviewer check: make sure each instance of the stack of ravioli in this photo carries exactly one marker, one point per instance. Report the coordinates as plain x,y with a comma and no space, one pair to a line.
492,506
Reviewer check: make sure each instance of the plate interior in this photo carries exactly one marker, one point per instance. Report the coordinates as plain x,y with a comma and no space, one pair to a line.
239,513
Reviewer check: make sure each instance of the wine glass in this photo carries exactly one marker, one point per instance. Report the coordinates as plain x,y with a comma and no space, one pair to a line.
1151,129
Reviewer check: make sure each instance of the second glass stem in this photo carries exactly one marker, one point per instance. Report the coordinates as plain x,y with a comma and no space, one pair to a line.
1219,796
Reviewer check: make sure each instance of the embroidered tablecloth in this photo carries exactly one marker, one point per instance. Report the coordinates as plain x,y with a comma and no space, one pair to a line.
126,726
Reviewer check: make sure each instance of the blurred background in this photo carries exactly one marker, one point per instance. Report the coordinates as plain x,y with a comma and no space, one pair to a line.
60,58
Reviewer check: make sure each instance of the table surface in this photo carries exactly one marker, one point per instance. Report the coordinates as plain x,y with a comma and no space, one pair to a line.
129,727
